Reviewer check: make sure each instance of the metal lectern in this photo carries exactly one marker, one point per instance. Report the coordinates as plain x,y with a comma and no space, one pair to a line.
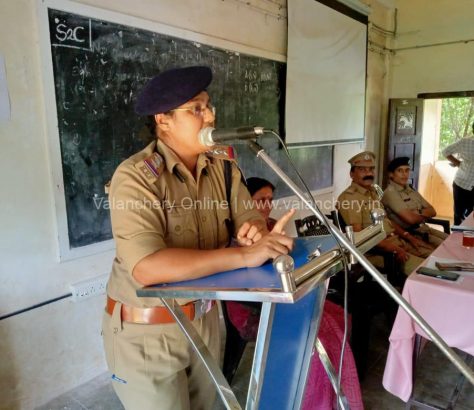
291,312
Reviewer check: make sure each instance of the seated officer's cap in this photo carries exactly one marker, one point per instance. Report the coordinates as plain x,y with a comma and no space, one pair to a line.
398,162
171,88
364,159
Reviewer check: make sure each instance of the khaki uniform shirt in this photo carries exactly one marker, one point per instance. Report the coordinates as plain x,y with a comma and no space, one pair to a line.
156,203
355,204
397,198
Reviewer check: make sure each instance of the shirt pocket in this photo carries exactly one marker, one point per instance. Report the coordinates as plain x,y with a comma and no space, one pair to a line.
223,234
182,229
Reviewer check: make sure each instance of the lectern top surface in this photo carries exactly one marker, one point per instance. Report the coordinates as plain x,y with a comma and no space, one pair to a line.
263,278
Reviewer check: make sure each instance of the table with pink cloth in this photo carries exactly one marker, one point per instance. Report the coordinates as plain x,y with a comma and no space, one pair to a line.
446,306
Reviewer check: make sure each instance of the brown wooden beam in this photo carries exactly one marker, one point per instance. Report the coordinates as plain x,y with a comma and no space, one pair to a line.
447,94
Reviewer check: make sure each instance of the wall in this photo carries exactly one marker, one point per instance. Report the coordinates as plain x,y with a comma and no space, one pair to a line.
430,139
441,182
52,349
410,69
433,69
46,350
377,75
436,176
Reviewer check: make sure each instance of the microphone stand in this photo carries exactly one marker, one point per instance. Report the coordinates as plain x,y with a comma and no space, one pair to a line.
437,340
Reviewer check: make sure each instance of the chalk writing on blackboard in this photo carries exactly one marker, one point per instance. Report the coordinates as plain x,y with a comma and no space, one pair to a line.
76,36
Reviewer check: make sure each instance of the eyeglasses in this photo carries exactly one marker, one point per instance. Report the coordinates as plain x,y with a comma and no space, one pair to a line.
365,169
198,110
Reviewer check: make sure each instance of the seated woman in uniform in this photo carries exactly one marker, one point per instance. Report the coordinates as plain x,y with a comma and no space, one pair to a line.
407,207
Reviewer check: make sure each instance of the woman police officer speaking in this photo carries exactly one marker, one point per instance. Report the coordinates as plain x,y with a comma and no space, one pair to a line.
159,240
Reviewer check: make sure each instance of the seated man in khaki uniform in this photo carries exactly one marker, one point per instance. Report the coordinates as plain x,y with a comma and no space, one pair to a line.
170,216
355,204
407,207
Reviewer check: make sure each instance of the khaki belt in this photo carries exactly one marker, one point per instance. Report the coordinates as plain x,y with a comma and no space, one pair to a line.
159,314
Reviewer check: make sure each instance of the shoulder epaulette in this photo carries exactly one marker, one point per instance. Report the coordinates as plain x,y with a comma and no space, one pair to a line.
221,152
152,166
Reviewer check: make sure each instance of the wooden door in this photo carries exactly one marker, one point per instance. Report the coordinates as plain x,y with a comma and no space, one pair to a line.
405,131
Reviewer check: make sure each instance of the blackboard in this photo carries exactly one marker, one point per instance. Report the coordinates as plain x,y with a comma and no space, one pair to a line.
314,164
99,66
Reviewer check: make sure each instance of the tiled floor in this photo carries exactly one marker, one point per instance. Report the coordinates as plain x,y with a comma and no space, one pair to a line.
436,378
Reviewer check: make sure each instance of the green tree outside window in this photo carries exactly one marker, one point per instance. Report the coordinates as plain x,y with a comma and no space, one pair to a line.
457,115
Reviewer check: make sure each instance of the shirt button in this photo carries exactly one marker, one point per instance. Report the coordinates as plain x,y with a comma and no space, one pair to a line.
115,330
177,228
204,219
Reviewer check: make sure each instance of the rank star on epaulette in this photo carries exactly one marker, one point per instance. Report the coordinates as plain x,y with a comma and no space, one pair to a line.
145,171
222,152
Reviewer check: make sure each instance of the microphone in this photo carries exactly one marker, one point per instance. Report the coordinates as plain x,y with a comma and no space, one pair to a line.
210,136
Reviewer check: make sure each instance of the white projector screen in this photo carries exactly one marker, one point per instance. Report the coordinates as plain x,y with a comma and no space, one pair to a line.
326,74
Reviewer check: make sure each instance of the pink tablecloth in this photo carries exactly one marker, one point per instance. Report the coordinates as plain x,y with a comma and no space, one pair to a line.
446,306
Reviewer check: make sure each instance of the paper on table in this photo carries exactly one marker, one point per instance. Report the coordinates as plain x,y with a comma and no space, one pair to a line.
431,263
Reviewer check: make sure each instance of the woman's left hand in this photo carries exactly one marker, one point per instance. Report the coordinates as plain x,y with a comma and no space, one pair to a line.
251,232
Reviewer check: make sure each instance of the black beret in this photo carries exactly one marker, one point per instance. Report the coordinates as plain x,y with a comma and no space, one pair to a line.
398,162
171,88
